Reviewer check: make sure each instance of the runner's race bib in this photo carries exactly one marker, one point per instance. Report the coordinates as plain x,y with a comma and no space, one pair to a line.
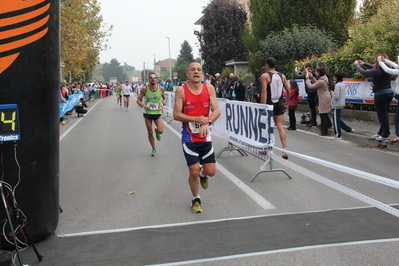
153,106
194,127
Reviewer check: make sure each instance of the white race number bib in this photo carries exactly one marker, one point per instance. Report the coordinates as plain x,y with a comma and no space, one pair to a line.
153,106
194,127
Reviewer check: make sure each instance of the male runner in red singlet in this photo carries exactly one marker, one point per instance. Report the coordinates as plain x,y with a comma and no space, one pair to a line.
192,107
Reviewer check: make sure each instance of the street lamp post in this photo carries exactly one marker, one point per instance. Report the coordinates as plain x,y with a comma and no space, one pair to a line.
170,61
62,65
154,64
144,74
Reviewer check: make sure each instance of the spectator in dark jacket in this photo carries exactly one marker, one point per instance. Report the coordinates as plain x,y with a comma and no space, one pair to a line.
383,93
80,107
258,85
240,91
312,93
228,86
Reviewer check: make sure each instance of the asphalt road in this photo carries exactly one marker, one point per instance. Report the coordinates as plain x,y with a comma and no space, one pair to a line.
108,181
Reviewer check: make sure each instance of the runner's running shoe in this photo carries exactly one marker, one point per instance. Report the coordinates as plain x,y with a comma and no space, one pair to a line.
158,135
203,180
196,205
153,152
284,156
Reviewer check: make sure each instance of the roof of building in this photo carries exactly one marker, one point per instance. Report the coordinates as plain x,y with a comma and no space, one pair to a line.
165,63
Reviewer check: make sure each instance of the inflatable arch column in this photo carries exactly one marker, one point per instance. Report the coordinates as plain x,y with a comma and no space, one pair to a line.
30,78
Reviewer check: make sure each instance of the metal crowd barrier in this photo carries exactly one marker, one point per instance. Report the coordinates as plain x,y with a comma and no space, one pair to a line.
264,154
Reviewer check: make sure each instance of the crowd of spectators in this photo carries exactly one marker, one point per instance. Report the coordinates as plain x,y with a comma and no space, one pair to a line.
90,90
232,87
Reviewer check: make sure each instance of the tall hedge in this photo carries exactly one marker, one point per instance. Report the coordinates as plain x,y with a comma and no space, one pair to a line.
267,16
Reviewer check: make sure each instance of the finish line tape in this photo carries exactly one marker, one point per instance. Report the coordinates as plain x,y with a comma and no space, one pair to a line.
348,170
336,186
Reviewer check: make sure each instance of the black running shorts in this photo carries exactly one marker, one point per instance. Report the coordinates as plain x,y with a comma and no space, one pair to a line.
199,152
279,108
152,117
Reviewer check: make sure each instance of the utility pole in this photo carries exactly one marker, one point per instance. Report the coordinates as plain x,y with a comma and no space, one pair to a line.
154,65
170,61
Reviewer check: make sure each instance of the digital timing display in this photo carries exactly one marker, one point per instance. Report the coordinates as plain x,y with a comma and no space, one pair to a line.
9,123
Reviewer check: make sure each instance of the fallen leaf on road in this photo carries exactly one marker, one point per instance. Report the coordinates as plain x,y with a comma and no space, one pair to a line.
130,193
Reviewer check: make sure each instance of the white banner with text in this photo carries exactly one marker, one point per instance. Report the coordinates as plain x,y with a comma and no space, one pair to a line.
241,123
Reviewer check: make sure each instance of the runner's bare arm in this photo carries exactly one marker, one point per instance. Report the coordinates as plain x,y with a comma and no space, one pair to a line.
139,100
265,81
214,103
164,98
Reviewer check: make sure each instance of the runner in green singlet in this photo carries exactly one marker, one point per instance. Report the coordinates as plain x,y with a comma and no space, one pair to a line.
153,107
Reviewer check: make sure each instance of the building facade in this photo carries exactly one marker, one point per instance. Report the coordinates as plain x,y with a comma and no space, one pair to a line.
163,68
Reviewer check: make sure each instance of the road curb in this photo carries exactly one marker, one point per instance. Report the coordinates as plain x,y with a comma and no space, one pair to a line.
357,136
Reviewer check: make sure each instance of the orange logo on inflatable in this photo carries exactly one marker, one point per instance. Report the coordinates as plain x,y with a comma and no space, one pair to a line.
28,33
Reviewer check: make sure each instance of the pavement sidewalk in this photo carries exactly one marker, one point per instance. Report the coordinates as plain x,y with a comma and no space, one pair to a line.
362,131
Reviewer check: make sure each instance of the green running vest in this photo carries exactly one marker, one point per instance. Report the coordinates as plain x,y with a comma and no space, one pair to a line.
154,100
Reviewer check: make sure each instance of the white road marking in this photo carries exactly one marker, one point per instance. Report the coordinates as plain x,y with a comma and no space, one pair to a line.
129,229
246,255
77,122
236,181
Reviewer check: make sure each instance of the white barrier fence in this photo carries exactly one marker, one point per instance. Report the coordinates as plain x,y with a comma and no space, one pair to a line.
249,129
341,188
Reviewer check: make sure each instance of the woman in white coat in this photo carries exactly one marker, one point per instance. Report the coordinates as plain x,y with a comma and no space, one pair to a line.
384,63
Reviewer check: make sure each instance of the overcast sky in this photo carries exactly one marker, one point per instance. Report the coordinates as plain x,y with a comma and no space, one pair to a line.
141,27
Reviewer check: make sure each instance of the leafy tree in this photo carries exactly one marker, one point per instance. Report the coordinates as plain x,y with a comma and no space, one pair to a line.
114,69
186,53
276,15
369,9
368,37
128,68
97,74
83,36
221,38
379,34
294,44
184,58
248,78
226,71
